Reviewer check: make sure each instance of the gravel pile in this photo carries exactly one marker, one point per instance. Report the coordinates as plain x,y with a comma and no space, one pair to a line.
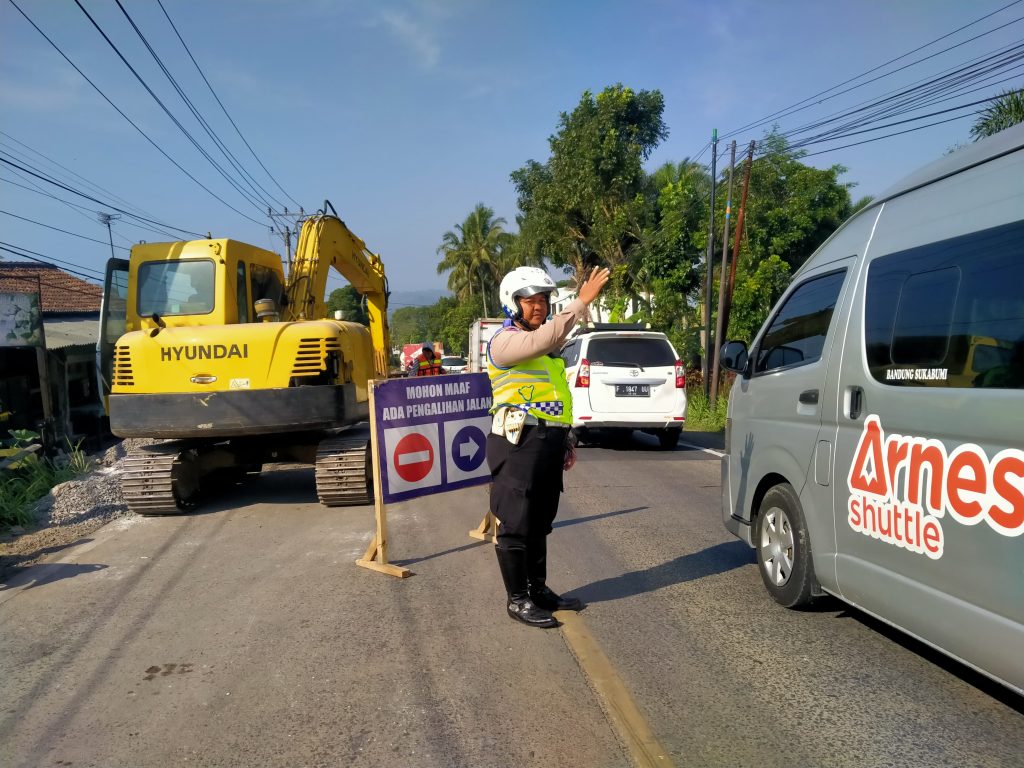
96,494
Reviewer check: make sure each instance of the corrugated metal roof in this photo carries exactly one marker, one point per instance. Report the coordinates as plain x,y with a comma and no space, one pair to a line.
71,333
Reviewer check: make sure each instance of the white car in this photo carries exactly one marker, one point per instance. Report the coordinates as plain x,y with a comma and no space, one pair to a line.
454,364
624,377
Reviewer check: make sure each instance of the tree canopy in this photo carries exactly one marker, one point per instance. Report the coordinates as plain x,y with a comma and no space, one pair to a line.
1005,111
585,204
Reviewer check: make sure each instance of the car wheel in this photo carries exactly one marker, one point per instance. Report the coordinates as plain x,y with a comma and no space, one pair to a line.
669,438
784,548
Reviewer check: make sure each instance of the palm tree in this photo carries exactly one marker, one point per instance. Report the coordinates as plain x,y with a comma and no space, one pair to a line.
1005,111
471,254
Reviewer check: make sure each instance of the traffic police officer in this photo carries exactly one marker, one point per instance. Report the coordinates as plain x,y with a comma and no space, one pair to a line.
529,446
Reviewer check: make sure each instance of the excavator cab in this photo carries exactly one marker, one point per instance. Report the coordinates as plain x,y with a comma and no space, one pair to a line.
203,282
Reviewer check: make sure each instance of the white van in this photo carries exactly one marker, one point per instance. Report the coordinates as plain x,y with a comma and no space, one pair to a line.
875,440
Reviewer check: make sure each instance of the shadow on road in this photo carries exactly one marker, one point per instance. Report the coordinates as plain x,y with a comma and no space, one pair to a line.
708,562
47,573
590,518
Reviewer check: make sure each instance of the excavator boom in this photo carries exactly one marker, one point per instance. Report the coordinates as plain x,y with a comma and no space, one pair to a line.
326,242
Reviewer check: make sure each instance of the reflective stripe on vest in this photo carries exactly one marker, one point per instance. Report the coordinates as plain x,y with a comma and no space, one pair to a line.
428,367
537,386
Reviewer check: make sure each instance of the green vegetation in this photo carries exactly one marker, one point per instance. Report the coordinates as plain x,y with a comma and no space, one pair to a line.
1005,111
703,415
30,477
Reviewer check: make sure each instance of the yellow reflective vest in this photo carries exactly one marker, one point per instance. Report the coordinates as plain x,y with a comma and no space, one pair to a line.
537,386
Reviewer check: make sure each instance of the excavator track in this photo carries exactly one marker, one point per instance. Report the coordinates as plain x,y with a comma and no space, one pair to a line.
343,474
160,480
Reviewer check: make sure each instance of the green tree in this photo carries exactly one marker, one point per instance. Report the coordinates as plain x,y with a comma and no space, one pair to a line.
757,290
585,204
411,325
473,254
1005,111
348,300
792,208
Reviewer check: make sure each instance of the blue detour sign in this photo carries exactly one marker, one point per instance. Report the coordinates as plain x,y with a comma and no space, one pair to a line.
432,434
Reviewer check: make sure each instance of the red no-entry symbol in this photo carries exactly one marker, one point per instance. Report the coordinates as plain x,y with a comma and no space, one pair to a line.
414,456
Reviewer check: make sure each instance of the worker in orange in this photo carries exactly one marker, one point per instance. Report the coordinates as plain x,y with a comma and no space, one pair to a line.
426,363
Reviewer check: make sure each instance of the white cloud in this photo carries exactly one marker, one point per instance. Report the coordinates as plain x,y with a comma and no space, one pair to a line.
415,35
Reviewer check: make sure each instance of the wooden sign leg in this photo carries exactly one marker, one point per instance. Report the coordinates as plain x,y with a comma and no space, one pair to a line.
487,530
376,556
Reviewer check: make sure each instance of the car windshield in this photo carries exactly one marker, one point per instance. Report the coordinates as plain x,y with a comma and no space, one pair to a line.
630,351
453,361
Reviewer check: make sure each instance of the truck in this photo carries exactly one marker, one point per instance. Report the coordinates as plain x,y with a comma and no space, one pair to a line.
232,365
480,334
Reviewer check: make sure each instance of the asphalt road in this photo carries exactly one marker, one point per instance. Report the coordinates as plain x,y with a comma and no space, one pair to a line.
245,635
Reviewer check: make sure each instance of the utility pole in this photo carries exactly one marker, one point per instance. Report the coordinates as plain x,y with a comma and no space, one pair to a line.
708,340
291,227
107,218
720,329
739,235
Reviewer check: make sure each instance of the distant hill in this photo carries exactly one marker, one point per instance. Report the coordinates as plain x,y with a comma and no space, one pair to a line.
422,298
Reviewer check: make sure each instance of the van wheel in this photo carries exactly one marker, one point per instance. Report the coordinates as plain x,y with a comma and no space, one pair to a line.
668,438
784,548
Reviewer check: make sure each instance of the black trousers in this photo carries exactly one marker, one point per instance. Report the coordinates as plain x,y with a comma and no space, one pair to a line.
527,483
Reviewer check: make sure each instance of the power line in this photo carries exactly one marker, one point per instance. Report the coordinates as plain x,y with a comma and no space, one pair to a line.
244,174
58,229
24,252
174,120
78,176
221,104
95,200
797,107
80,209
130,121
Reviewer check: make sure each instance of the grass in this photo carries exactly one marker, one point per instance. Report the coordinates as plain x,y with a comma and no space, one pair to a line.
31,478
703,415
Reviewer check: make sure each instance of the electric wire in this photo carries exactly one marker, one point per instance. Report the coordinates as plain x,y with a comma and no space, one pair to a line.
785,111
223,108
130,121
246,177
58,229
5,161
91,215
175,120
20,155
17,250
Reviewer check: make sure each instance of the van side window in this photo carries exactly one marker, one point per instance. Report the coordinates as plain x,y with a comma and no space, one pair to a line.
797,333
949,314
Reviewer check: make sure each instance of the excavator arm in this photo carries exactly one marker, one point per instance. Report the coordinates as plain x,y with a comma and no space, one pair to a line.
326,242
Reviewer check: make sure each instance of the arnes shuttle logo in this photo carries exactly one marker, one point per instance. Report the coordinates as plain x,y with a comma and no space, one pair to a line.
902,486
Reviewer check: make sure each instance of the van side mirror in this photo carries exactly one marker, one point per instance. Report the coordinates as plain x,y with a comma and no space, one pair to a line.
733,356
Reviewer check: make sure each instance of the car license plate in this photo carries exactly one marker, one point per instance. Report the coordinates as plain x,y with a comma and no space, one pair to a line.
632,390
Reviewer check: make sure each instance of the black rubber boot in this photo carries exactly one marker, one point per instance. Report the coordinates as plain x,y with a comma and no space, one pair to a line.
537,574
512,563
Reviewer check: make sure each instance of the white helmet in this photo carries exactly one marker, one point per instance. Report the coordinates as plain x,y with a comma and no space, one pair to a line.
520,283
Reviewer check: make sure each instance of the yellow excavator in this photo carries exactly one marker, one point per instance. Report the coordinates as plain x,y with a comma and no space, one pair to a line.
208,345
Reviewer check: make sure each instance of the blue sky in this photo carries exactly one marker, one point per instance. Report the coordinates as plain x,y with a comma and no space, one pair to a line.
406,114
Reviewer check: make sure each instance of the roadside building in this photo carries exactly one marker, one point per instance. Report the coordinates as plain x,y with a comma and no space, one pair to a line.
69,309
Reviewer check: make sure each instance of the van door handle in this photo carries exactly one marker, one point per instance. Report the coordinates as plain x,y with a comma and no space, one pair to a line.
855,398
809,397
